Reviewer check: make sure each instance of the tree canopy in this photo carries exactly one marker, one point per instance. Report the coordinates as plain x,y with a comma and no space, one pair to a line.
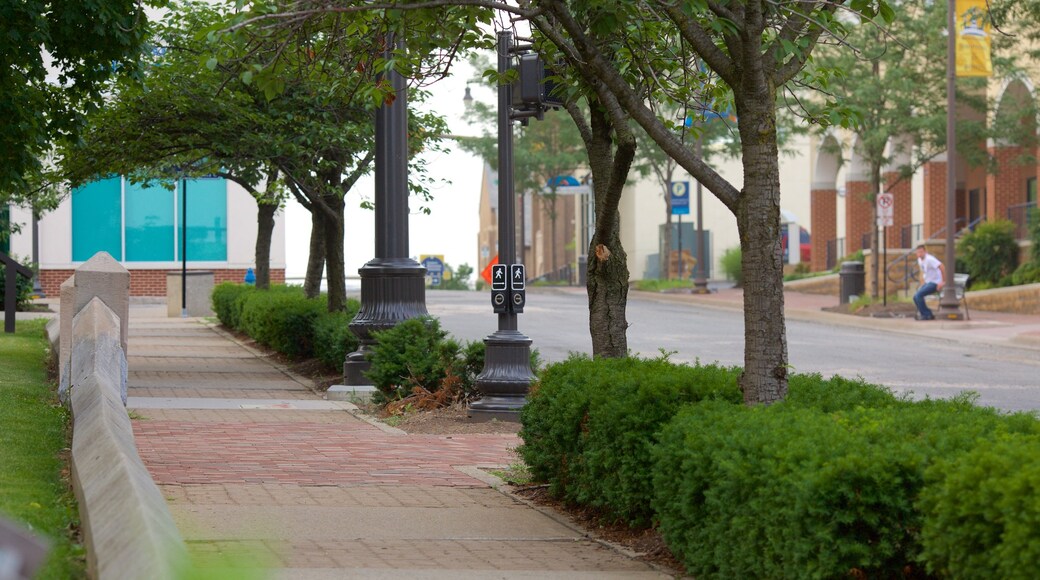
58,56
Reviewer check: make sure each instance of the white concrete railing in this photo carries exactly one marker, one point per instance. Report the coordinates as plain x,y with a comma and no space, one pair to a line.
127,526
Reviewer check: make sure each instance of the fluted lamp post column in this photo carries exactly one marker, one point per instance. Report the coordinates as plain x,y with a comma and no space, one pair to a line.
393,287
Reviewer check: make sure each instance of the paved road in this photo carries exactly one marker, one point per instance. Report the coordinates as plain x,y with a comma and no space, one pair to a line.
1004,377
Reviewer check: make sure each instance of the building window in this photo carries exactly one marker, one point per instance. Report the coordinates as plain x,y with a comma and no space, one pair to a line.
97,220
5,229
149,223
115,215
207,219
1031,190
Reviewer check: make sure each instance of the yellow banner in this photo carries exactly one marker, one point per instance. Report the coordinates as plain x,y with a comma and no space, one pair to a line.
973,39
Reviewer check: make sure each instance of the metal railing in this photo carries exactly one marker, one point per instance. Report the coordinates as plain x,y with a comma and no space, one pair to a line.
565,274
904,271
1023,216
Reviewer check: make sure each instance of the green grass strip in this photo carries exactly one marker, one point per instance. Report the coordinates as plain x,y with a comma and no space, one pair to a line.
34,444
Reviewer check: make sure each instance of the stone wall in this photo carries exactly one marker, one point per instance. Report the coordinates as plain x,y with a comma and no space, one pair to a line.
1014,299
827,285
152,282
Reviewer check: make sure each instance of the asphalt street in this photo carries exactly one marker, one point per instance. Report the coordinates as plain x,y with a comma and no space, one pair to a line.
1004,377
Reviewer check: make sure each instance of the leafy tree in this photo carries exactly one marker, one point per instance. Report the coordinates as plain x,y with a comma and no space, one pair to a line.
82,44
887,74
543,150
193,114
706,55
752,51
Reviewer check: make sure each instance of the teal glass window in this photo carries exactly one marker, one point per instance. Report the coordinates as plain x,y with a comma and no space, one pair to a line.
149,223
5,229
97,223
207,219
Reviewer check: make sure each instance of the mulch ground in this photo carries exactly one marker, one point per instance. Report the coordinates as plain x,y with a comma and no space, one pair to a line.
891,310
451,421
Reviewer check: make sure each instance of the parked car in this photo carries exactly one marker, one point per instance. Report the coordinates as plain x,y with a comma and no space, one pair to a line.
805,245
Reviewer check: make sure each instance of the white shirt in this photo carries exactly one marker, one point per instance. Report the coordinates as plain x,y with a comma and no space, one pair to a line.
930,269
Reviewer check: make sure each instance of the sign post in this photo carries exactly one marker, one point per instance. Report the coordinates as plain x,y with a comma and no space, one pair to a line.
885,211
680,202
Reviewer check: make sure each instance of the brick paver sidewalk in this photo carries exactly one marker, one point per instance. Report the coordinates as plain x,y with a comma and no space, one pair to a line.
258,470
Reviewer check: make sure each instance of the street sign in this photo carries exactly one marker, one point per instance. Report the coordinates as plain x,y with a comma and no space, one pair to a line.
498,277
885,209
434,264
517,276
680,196
486,274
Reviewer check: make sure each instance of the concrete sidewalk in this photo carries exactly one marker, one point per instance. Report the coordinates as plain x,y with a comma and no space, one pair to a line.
259,470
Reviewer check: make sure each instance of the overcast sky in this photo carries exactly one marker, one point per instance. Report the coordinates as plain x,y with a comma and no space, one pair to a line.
450,229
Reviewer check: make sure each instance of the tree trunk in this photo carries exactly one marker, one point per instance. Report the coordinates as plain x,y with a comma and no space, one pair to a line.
875,248
316,259
264,232
607,283
764,379
334,260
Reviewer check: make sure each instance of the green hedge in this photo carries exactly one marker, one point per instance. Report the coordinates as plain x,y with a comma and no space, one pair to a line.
843,478
332,336
982,518
590,426
226,303
990,252
284,319
757,492
414,352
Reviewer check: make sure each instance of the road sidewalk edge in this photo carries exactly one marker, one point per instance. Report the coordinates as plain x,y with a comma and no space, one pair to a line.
481,473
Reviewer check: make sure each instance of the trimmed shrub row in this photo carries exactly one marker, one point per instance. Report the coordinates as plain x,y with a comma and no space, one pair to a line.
590,426
842,479
283,319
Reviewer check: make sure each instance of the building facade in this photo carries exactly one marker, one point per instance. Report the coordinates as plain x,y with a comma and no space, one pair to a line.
147,230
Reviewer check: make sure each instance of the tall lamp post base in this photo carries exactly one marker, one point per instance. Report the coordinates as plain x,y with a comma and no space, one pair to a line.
392,291
949,307
700,287
506,377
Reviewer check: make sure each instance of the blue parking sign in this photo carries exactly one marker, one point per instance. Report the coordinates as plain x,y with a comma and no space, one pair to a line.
680,196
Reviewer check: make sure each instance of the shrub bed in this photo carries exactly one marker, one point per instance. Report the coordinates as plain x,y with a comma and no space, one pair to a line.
842,479
591,424
333,338
982,516
226,303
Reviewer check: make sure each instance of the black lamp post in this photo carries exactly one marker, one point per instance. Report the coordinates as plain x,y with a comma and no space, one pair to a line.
37,291
507,376
949,306
393,287
700,281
